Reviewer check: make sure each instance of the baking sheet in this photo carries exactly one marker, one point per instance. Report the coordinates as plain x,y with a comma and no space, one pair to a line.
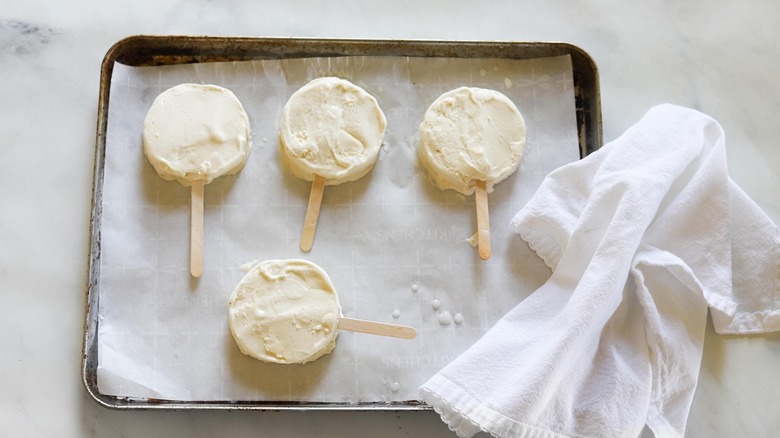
391,242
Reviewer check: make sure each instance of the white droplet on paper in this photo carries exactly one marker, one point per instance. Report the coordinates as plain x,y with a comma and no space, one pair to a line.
435,304
396,313
395,386
458,318
445,318
473,240
415,288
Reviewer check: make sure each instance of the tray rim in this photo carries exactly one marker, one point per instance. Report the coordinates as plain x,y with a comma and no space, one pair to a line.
151,50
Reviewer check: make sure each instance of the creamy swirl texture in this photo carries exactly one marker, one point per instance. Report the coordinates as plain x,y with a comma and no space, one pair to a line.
332,128
284,311
471,134
196,132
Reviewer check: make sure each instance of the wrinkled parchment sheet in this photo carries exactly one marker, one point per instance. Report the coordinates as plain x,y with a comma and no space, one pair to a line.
393,244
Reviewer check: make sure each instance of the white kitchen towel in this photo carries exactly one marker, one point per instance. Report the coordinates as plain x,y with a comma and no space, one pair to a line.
643,236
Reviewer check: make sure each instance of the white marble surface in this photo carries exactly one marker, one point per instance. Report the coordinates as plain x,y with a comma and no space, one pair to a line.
720,56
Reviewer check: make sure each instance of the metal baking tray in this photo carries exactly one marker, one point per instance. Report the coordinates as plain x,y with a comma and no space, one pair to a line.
169,50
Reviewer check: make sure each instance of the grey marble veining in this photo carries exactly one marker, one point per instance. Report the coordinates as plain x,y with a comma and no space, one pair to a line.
20,39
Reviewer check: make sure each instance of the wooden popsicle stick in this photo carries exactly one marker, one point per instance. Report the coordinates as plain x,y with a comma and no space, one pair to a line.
196,229
483,219
377,328
312,213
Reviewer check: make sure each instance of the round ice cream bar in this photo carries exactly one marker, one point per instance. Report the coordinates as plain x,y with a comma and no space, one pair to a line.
471,134
196,132
285,311
332,128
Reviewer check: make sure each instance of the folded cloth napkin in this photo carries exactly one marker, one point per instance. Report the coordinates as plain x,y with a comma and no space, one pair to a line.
643,236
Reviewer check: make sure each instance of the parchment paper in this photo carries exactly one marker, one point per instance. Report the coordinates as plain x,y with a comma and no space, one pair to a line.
392,243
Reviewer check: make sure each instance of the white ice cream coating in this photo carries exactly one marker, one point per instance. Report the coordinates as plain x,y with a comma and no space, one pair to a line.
332,128
471,134
285,311
196,132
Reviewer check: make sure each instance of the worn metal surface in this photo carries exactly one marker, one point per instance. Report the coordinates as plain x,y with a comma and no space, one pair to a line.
168,50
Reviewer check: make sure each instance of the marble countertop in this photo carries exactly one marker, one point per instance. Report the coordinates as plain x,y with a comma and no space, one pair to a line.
721,57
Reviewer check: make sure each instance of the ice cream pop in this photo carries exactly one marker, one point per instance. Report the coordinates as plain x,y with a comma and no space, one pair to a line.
470,140
288,311
192,134
330,133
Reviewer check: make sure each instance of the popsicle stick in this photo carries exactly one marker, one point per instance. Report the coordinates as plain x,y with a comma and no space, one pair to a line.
312,213
483,219
196,229
377,328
